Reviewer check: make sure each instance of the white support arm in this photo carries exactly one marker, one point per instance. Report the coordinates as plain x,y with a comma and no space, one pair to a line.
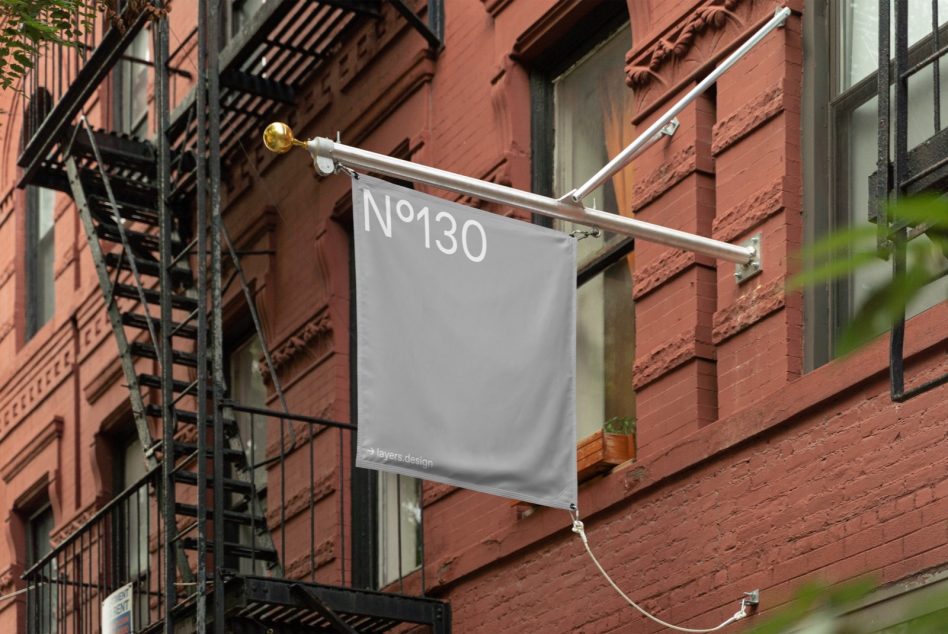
652,133
328,154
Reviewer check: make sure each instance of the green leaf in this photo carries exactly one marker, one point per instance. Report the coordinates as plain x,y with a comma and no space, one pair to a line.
832,269
840,240
921,209
883,307
850,592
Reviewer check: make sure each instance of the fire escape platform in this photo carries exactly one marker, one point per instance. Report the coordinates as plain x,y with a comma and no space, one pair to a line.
262,69
266,66
283,606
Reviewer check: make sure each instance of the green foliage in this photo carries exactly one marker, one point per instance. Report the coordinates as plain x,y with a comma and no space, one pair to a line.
820,609
623,425
843,252
27,27
815,605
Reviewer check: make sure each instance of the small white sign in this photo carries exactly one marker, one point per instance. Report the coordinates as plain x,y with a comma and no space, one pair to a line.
117,611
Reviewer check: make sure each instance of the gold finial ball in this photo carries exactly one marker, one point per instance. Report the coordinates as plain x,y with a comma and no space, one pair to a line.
278,137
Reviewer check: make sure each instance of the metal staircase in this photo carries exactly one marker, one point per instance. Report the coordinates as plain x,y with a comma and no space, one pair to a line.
121,227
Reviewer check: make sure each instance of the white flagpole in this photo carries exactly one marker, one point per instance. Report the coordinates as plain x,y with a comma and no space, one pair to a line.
327,155
651,133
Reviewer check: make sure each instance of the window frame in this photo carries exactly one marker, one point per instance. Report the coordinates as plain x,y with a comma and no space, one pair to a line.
594,32
125,439
36,249
828,306
42,508
233,20
123,83
240,335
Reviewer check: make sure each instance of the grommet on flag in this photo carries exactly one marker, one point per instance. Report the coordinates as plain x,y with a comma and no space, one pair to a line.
342,169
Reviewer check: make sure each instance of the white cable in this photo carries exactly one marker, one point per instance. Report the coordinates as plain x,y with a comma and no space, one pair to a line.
13,594
579,530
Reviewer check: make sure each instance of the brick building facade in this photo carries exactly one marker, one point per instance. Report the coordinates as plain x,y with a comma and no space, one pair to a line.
759,465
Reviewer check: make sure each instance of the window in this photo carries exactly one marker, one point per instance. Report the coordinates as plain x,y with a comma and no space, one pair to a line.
386,526
235,15
247,388
40,258
133,515
131,521
42,599
131,87
839,193
398,525
591,111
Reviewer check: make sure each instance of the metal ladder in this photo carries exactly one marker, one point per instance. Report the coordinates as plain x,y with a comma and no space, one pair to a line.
117,202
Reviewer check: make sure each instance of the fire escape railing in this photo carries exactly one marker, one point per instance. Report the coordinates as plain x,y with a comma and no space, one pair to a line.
62,78
262,70
124,543
900,170
118,545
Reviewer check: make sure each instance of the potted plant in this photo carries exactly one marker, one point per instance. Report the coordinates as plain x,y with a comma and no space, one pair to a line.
610,446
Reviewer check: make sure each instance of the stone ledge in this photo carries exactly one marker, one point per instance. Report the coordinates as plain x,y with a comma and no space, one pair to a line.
669,264
666,176
741,218
434,491
43,437
302,566
323,486
749,308
667,357
746,119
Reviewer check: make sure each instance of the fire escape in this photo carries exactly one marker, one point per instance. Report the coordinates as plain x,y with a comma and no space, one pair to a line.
191,537
902,170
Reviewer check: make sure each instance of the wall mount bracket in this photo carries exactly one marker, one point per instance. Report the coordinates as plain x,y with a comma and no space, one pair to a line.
743,272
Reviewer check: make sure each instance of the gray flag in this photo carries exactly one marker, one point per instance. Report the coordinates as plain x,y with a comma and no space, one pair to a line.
466,345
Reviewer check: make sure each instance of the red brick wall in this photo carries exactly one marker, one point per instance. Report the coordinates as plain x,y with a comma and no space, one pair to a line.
751,474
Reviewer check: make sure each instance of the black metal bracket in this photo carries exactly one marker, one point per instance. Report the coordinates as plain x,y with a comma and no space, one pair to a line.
897,391
316,603
433,30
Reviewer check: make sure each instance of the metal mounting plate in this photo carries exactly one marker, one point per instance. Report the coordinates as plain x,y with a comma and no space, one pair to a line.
743,272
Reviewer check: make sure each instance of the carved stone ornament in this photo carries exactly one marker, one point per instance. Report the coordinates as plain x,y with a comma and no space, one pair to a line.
643,67
677,56
306,340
